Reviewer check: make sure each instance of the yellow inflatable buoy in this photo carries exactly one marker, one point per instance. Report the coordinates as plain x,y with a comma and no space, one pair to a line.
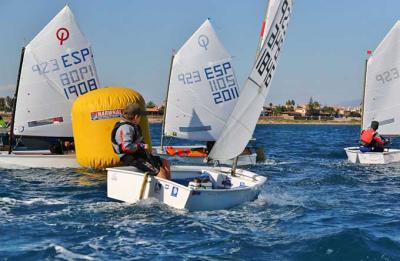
93,118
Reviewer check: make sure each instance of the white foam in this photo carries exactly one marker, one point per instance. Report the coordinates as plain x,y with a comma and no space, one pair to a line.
261,200
44,201
31,201
66,254
8,201
281,199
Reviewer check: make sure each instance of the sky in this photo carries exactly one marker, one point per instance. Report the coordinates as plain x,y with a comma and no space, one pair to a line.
323,56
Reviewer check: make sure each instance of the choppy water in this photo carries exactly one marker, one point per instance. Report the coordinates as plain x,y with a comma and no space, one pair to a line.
315,206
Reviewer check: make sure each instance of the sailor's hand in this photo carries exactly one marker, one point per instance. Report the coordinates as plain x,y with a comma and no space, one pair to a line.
146,146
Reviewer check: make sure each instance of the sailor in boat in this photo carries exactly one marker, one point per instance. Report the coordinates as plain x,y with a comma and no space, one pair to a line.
63,146
209,146
246,151
128,143
3,123
370,139
3,134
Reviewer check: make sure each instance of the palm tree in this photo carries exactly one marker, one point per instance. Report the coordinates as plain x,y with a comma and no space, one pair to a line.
2,104
9,103
150,104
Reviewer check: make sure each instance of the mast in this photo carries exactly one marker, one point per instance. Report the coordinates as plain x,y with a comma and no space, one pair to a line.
11,136
234,166
365,82
240,126
166,100
262,32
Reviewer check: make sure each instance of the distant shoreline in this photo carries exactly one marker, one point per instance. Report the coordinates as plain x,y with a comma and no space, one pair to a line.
261,121
158,119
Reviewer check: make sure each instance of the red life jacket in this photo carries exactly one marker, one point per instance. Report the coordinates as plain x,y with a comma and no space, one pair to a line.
367,136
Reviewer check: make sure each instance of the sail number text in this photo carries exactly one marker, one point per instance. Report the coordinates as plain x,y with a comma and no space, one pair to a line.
190,77
76,79
268,58
222,82
388,76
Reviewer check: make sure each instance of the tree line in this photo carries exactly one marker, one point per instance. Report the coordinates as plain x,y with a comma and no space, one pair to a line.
6,104
313,108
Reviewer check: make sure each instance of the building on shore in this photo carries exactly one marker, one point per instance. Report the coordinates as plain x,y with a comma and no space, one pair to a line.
154,111
311,111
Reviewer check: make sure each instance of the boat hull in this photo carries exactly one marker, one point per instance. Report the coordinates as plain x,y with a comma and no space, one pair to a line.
243,160
125,183
354,155
37,159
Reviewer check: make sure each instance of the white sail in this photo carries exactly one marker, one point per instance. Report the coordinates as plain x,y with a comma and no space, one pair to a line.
268,19
203,88
382,92
241,124
58,66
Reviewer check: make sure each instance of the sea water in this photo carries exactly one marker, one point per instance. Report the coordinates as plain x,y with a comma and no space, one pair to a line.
315,206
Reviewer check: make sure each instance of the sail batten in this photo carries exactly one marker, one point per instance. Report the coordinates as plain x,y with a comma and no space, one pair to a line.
241,124
203,88
58,67
381,98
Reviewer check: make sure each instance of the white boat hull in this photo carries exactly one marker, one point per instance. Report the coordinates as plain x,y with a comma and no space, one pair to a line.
36,159
243,160
124,184
354,155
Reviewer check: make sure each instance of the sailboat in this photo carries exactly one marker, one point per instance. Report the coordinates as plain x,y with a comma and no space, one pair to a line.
381,98
201,94
56,67
197,188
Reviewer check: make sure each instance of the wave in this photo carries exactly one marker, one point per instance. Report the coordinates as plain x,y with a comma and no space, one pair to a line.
280,198
32,201
349,244
65,254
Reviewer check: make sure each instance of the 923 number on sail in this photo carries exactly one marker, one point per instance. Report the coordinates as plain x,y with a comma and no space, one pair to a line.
388,75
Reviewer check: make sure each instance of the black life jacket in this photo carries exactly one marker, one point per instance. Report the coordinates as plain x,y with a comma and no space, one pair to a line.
137,135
